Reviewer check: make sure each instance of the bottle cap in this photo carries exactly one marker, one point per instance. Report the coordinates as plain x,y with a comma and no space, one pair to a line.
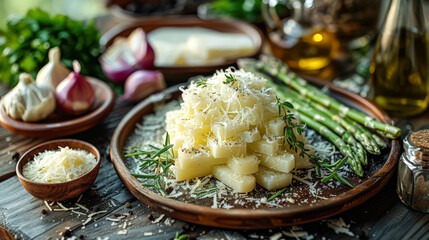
420,139
417,146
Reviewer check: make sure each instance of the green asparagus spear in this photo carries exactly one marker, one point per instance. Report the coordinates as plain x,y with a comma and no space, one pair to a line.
317,116
277,68
332,137
337,141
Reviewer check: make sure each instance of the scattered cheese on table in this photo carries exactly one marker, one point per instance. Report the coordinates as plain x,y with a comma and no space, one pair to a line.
61,165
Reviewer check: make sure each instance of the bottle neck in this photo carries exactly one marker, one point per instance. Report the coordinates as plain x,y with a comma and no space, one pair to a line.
405,14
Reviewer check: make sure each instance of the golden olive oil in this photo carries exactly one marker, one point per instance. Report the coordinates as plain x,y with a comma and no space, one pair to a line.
399,72
399,67
309,51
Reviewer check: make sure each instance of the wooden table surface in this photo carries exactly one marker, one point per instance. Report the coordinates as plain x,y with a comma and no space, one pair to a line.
25,217
382,217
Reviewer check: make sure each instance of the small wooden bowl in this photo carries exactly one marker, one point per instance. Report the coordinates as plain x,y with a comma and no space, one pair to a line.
59,124
64,190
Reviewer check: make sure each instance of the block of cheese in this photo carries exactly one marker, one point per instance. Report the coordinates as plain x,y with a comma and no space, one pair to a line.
183,174
271,179
220,46
224,130
226,149
243,165
169,44
304,162
196,46
251,135
192,157
240,183
283,162
264,146
275,127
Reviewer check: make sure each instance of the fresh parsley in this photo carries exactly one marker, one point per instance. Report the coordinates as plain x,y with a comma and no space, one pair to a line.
25,42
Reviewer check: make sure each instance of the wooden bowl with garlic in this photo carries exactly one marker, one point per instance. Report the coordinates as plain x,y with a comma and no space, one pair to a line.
59,169
58,102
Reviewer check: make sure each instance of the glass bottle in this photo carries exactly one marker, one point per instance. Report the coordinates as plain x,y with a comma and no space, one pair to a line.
413,171
399,67
304,45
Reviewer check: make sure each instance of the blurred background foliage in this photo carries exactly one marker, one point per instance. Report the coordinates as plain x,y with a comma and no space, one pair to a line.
77,9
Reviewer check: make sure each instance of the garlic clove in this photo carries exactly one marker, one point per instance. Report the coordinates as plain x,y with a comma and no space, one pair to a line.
54,71
28,101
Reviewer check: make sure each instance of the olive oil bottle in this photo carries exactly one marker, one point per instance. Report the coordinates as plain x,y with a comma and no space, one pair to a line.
399,67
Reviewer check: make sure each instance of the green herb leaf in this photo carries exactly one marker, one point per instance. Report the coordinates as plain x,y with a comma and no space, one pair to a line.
201,83
156,162
276,194
230,79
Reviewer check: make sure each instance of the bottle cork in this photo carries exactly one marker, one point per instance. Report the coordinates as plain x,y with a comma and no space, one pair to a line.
420,139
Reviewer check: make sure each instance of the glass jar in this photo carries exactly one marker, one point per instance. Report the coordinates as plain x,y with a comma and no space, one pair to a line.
413,171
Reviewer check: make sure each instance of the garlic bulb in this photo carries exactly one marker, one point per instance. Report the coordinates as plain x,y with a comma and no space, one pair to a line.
54,71
29,102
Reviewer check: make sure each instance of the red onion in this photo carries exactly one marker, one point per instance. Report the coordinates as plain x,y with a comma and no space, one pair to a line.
141,84
140,47
125,56
75,95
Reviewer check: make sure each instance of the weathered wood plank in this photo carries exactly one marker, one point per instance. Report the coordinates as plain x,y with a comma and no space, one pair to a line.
382,217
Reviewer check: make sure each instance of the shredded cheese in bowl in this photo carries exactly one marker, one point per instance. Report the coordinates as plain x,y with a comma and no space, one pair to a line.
62,165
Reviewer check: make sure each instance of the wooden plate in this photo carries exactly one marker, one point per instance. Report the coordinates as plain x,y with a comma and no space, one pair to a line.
59,124
174,74
376,177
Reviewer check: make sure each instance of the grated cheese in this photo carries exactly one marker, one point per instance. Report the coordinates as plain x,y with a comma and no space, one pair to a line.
159,218
47,205
339,226
61,165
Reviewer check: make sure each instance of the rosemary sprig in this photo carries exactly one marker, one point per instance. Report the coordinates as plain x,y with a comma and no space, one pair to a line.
158,160
202,83
230,79
206,191
290,138
276,194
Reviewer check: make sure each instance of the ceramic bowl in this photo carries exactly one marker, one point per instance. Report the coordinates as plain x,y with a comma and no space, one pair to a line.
64,190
